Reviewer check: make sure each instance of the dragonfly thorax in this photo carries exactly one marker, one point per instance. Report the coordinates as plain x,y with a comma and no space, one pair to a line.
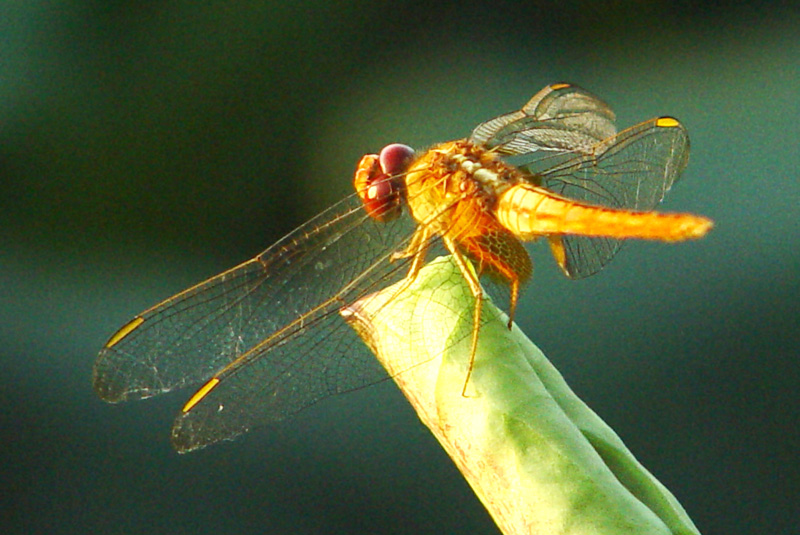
457,179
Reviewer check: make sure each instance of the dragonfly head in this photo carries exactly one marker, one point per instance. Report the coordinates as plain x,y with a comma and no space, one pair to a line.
379,180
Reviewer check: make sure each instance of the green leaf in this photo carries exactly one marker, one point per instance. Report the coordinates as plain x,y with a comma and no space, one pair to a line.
539,459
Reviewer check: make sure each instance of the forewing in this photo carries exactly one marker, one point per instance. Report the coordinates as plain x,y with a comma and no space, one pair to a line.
254,314
560,117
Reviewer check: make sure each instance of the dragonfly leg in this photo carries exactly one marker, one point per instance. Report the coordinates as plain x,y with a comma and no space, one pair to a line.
418,248
418,241
477,292
512,308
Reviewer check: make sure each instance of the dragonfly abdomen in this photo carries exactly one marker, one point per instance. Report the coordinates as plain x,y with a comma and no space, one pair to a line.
530,212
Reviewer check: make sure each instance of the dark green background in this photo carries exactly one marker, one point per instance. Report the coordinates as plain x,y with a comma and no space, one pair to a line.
147,145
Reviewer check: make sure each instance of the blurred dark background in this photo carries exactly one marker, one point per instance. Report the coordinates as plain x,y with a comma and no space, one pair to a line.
147,145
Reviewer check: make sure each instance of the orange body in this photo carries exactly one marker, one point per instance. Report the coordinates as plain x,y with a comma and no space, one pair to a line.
470,196
446,195
529,212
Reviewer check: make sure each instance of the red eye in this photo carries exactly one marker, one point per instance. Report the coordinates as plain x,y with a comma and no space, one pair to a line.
395,158
379,181
377,191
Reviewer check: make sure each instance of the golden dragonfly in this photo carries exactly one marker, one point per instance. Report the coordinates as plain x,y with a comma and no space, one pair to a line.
265,339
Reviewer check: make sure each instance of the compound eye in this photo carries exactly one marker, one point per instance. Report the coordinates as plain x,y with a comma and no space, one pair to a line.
383,197
395,158
380,193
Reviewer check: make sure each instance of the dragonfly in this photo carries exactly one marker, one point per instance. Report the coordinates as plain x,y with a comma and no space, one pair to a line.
266,339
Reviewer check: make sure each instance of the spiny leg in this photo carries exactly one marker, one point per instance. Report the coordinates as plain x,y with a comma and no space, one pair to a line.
512,307
418,248
418,240
477,292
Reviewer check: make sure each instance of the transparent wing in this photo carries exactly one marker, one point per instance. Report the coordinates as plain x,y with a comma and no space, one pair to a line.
566,139
277,315
632,170
560,117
